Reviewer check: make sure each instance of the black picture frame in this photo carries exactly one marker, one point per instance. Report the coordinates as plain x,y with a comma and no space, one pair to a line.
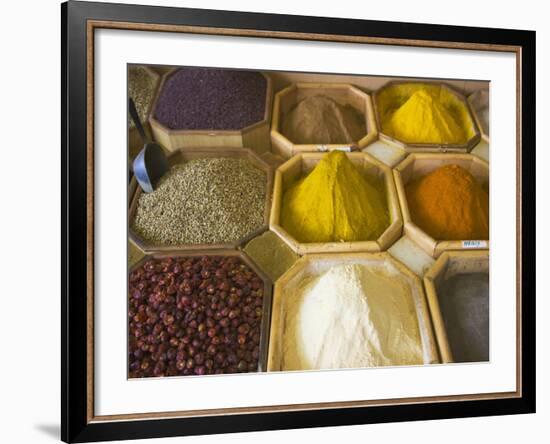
76,424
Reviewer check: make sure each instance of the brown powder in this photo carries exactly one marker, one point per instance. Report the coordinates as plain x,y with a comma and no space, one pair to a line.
321,120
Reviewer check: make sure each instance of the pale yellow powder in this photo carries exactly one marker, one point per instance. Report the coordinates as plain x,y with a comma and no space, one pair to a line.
349,317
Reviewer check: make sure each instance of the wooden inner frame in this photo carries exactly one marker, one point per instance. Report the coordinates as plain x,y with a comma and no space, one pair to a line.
92,25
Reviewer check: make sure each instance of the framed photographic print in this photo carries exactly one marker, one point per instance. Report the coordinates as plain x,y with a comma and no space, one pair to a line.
279,221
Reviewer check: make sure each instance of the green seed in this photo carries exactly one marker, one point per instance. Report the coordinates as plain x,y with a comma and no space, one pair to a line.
141,87
203,201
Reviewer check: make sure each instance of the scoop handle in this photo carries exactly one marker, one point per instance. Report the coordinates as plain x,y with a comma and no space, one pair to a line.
135,118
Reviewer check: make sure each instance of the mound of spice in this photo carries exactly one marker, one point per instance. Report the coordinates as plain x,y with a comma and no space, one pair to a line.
194,316
141,88
211,99
464,304
320,119
426,114
271,254
335,203
210,200
449,204
348,317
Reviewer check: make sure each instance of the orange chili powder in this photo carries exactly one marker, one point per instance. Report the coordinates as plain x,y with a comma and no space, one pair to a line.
449,204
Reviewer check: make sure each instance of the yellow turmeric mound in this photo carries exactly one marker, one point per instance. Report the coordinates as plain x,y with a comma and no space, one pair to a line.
417,113
335,203
449,204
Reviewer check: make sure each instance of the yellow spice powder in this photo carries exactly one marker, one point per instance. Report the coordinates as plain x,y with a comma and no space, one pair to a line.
335,203
422,113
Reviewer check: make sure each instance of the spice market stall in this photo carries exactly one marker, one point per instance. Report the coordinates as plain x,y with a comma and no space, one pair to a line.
355,200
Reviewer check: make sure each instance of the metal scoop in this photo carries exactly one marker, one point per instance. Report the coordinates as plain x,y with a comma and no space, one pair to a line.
151,163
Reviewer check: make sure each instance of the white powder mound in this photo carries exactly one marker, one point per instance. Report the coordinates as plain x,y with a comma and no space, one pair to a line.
349,317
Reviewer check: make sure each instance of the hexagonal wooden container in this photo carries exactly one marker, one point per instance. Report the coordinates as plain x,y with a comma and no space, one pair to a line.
255,136
426,147
449,264
302,164
479,102
135,144
315,264
268,287
418,164
182,156
342,93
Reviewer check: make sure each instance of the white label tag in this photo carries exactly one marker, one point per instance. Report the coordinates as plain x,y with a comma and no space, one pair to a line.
347,149
474,244
324,148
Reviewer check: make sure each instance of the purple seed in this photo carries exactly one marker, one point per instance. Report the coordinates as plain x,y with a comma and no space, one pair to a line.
206,98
